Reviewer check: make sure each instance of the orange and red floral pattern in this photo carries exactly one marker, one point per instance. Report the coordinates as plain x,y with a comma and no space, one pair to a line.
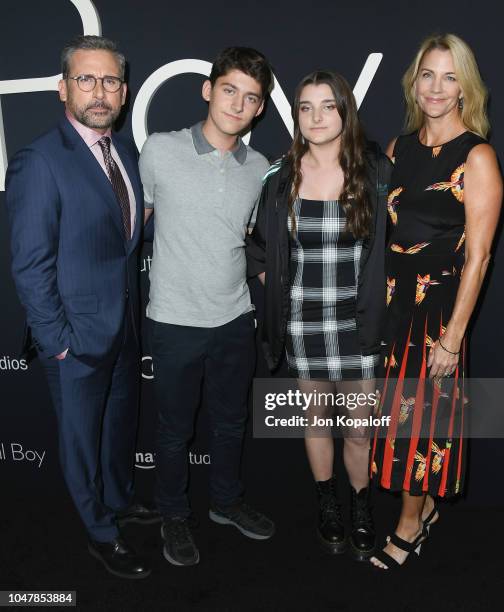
416,248
423,283
455,184
392,203
390,289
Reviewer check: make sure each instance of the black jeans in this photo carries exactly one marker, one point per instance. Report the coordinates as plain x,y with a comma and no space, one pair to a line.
187,361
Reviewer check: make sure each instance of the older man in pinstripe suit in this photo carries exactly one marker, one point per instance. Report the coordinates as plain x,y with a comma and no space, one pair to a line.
75,206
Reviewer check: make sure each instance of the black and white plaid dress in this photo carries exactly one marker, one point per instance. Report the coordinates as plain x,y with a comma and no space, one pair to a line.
322,340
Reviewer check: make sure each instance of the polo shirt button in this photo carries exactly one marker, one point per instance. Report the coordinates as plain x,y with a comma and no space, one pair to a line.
222,171
221,190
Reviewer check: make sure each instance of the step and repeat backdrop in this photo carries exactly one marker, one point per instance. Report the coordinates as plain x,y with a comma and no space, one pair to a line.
169,48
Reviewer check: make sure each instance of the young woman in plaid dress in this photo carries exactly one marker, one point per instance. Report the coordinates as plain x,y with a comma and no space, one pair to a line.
318,246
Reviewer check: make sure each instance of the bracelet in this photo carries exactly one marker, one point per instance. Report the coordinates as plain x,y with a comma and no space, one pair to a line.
445,349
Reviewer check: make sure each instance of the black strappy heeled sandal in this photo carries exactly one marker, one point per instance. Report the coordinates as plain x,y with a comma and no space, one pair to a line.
408,547
428,520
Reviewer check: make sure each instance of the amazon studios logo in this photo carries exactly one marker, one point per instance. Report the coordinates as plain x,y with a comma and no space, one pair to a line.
147,461
9,363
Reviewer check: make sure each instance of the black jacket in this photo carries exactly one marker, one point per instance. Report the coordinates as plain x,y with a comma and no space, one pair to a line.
268,251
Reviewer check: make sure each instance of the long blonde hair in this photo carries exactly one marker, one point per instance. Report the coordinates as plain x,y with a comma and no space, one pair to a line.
473,113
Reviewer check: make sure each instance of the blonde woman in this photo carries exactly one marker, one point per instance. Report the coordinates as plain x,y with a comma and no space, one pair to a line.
443,205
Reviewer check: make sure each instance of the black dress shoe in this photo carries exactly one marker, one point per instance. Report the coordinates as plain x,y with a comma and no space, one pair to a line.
119,558
138,513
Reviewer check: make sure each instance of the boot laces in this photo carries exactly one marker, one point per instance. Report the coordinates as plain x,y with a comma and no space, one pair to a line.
330,508
361,515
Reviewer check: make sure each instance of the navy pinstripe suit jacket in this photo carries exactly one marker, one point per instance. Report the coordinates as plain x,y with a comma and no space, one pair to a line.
74,270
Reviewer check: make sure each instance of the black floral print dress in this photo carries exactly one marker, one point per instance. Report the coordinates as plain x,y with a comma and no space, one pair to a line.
423,448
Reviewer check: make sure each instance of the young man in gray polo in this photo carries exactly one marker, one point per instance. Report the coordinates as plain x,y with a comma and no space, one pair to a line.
202,184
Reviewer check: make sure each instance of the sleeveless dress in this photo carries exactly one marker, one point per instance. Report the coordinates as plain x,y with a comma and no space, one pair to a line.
422,449
322,340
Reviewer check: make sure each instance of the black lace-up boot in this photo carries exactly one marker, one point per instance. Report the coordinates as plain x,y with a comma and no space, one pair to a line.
330,528
362,536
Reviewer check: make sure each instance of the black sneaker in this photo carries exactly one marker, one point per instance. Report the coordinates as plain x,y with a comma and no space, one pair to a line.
179,547
251,523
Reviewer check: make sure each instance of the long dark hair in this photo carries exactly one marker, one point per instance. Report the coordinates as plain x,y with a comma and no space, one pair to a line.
354,197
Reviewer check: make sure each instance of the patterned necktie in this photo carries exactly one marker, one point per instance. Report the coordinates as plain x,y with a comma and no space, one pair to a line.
118,184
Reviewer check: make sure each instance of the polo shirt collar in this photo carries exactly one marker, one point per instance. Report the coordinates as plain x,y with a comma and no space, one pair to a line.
202,145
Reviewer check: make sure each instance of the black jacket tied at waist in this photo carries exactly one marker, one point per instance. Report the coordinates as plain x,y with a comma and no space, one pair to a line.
268,250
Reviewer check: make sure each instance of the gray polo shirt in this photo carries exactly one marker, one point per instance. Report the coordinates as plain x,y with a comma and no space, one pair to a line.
203,202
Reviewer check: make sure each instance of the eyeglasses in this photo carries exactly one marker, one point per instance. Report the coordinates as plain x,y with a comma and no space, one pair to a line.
87,82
